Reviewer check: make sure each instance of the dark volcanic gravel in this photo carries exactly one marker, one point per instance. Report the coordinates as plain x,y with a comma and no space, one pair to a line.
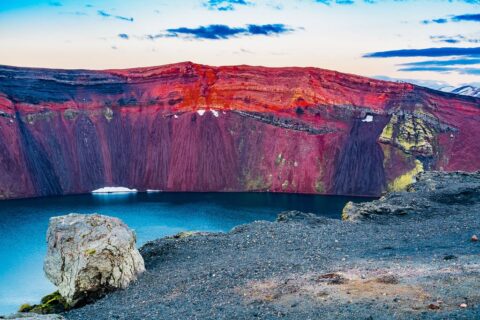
420,265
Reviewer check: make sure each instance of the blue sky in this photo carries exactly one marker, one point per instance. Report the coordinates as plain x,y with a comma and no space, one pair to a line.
436,42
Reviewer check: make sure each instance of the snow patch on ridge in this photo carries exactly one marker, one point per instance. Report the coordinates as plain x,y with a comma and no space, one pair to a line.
114,190
368,118
201,112
215,113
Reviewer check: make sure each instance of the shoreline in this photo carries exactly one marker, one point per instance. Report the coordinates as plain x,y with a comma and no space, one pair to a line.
306,267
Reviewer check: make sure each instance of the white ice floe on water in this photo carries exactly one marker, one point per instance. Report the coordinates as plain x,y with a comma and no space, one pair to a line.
153,191
368,118
114,190
201,112
215,113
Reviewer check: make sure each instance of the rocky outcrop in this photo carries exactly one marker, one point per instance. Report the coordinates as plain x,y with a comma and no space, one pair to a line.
89,255
433,193
189,127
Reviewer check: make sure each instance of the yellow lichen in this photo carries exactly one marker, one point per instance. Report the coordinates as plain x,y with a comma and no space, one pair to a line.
346,210
410,133
319,187
278,159
256,183
70,114
108,113
403,181
90,252
387,133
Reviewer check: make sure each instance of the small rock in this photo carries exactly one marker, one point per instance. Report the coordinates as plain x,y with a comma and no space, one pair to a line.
463,305
449,257
433,306
474,238
388,279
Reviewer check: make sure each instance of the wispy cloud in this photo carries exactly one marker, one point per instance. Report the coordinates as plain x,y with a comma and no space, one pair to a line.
465,71
450,62
109,15
475,17
350,2
221,32
427,52
454,39
434,84
55,4
225,5
341,2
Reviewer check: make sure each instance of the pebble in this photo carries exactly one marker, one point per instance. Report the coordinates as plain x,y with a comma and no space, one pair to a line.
463,305
433,306
474,238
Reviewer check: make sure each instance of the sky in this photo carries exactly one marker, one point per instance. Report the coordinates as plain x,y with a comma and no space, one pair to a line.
434,43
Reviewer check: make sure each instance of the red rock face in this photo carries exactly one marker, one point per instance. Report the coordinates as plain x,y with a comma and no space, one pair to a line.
188,127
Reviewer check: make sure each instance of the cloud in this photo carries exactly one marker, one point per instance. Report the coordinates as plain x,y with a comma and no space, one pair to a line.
428,52
350,2
225,5
466,71
109,15
450,62
55,4
123,36
341,2
458,18
434,84
219,31
454,39
467,17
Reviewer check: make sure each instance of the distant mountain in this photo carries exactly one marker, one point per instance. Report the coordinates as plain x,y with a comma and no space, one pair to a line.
467,91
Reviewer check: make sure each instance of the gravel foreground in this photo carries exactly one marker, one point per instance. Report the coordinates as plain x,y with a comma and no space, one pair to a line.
420,264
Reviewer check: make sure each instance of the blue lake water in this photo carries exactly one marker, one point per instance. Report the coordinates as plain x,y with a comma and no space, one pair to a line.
23,225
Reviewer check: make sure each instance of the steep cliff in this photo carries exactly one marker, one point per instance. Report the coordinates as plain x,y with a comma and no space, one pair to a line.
188,127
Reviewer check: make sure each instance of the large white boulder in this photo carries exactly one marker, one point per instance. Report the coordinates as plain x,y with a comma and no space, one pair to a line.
89,255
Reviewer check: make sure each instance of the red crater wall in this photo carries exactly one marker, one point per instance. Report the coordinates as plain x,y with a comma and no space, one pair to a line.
188,127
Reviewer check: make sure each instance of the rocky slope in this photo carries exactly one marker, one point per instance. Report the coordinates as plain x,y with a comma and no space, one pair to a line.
419,265
188,127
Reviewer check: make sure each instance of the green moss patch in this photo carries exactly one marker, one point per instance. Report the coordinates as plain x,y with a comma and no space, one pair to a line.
52,303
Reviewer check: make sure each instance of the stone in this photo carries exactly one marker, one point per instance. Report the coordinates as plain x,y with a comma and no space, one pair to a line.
463,305
433,306
34,316
90,255
433,190
474,238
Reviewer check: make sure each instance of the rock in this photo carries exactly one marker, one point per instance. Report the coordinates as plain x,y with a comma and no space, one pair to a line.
34,316
300,217
433,306
463,305
432,193
188,234
89,255
449,257
474,238
388,279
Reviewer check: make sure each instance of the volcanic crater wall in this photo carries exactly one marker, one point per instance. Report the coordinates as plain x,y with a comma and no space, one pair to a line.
188,127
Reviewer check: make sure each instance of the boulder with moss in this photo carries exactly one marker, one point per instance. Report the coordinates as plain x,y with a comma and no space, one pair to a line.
90,255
